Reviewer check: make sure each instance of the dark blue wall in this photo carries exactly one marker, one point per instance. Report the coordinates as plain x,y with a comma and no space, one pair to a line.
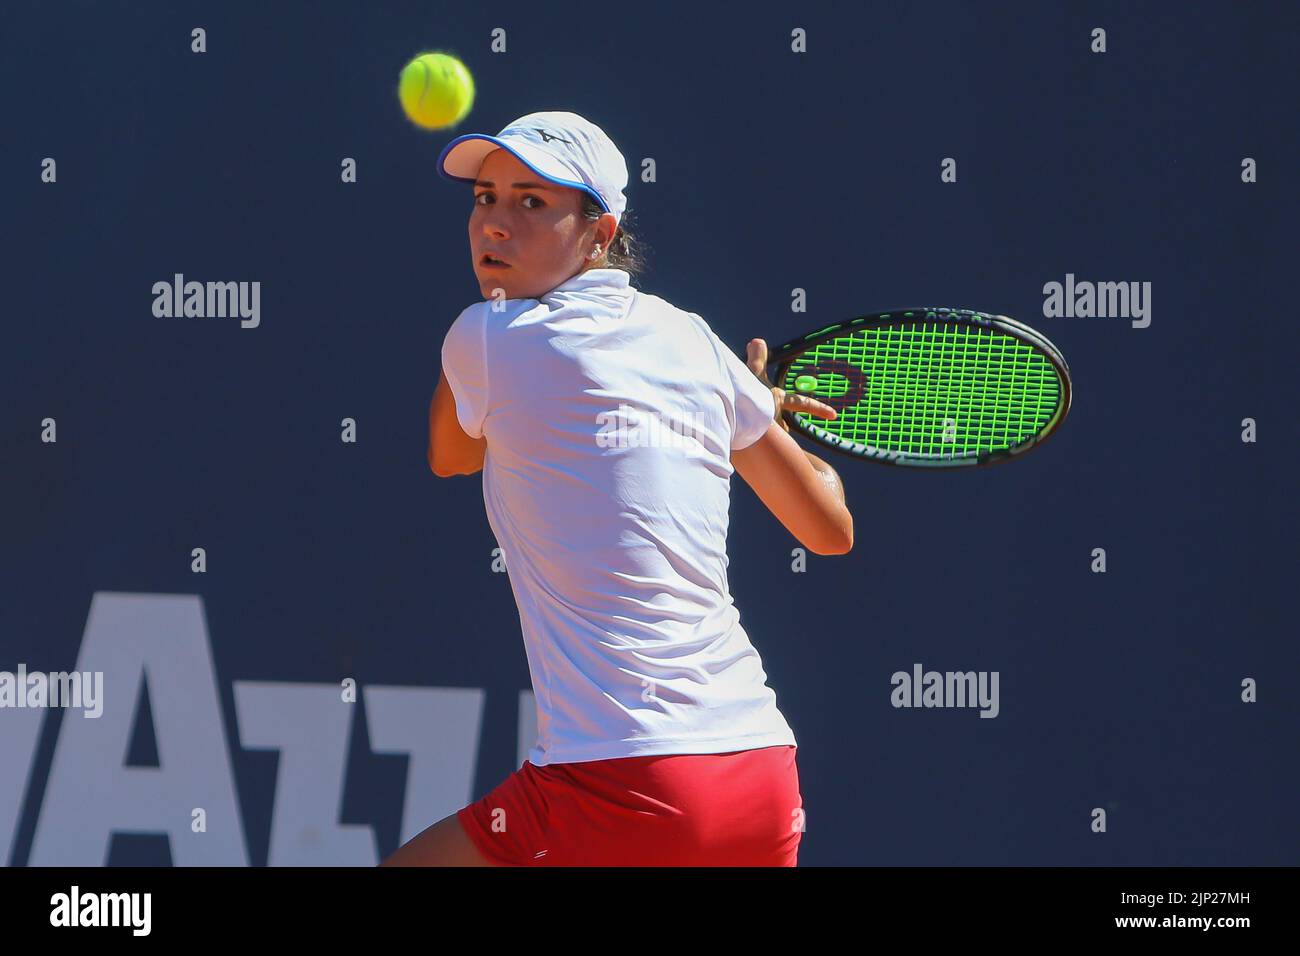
776,171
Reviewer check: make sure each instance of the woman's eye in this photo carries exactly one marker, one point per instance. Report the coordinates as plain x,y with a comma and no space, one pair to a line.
482,196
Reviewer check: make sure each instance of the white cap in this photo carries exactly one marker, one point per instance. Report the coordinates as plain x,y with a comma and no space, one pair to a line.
561,147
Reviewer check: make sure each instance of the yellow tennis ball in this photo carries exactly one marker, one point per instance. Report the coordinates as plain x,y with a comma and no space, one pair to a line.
436,90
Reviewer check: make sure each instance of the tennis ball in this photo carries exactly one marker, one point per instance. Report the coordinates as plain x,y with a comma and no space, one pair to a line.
436,90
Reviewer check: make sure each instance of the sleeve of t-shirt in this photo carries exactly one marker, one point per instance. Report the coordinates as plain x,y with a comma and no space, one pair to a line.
464,363
753,404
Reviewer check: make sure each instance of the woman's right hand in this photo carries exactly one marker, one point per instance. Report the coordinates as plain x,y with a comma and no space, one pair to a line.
785,401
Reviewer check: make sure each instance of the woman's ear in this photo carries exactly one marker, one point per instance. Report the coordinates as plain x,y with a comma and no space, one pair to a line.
606,229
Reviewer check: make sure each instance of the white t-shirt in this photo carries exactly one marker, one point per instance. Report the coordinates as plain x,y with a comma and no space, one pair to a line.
610,416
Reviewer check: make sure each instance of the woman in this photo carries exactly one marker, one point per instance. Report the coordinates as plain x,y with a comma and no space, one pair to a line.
607,423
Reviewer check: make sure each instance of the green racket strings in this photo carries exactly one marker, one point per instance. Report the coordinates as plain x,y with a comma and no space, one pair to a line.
931,389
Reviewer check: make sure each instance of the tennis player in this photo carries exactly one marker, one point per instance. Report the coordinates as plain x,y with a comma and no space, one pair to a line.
607,423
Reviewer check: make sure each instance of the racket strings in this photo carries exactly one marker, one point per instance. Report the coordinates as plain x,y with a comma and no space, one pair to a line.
935,389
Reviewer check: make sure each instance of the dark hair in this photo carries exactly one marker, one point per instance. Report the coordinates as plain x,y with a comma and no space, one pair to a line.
625,252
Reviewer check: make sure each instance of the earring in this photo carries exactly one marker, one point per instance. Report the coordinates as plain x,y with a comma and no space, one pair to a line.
595,253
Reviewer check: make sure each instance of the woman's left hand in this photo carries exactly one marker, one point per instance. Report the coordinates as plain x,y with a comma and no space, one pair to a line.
785,401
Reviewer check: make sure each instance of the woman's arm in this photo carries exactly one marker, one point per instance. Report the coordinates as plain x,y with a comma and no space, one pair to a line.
451,451
830,477
803,491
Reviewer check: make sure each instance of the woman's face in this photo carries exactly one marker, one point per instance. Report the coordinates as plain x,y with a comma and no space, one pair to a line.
535,226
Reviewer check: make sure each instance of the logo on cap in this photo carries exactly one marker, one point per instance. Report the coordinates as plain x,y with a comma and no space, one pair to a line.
547,137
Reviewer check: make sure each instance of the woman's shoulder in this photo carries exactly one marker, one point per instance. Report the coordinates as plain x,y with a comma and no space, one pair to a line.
671,312
494,313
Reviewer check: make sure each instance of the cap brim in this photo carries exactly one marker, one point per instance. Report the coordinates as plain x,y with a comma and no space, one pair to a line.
461,159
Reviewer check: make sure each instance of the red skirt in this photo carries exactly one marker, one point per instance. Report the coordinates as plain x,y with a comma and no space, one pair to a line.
732,809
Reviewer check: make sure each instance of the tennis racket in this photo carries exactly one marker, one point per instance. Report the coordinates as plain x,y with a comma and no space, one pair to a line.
929,388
